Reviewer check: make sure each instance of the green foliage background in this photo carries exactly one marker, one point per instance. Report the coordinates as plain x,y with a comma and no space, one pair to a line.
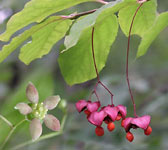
148,73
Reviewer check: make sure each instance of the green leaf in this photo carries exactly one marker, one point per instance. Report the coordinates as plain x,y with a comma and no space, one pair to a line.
88,21
36,11
144,19
43,40
149,36
35,30
77,63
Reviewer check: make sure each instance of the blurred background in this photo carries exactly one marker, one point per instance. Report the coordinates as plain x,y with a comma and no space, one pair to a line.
149,80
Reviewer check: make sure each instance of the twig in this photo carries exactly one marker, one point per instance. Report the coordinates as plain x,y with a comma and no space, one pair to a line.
76,16
102,2
6,121
10,133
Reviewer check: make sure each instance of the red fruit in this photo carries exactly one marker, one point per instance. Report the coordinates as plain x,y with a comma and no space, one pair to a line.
99,131
87,112
122,123
111,126
148,131
118,117
129,136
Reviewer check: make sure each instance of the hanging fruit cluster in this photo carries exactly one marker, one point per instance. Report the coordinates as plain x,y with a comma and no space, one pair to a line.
98,115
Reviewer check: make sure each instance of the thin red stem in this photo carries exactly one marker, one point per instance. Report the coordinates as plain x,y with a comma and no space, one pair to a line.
107,91
93,54
96,95
98,79
127,75
94,92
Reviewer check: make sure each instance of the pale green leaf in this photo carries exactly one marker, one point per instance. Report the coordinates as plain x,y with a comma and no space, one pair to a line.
43,40
144,19
36,11
17,41
150,36
77,63
90,20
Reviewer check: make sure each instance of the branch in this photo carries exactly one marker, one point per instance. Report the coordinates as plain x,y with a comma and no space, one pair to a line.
102,2
76,16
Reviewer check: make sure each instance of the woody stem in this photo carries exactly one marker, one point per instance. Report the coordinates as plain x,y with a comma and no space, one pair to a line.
128,48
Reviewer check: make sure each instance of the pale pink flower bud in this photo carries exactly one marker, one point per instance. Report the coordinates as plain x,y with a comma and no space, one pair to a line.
23,108
35,129
52,122
51,102
32,93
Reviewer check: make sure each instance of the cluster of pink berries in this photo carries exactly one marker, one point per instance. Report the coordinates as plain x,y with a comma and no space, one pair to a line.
109,114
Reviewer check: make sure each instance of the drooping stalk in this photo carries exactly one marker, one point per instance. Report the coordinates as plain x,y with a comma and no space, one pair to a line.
97,73
127,60
93,54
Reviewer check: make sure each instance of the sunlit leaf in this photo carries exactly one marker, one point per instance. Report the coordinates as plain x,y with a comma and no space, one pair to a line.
36,11
43,40
144,19
150,36
88,21
46,29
